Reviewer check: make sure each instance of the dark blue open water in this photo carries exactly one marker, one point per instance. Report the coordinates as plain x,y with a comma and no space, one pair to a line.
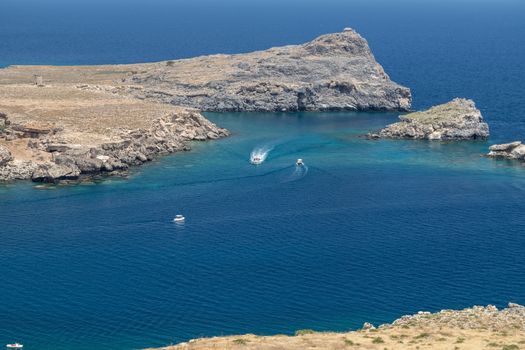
372,231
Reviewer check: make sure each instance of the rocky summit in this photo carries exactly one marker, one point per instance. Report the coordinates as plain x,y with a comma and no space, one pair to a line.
458,119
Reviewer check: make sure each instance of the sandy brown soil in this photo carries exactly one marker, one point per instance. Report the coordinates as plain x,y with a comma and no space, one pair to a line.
470,329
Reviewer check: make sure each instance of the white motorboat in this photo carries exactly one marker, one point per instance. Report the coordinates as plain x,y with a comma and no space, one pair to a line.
179,218
299,162
256,160
15,346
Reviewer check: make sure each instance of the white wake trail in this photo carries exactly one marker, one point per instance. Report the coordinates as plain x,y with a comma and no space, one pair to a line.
259,154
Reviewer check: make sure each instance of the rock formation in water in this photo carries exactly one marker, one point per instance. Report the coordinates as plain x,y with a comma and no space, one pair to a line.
479,327
458,119
514,150
333,72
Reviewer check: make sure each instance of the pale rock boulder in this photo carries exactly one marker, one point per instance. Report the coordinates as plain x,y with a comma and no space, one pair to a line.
513,150
5,155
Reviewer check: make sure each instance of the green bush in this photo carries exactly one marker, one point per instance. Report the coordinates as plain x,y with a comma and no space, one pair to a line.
510,347
304,331
378,340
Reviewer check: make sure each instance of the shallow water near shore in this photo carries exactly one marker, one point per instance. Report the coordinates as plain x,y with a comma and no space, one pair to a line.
373,230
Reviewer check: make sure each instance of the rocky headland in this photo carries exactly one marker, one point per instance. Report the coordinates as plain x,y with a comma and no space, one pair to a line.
333,72
474,328
458,119
60,123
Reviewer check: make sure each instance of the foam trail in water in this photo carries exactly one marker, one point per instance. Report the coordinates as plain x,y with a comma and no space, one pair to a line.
299,172
259,154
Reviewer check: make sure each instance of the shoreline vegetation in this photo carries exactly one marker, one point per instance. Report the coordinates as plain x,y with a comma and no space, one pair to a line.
476,328
60,123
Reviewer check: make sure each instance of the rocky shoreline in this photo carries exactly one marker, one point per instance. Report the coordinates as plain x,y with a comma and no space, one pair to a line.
56,158
479,327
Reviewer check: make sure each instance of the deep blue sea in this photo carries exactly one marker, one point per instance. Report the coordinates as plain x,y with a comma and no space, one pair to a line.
367,231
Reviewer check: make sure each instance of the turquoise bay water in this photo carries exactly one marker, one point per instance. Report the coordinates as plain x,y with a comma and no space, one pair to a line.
371,231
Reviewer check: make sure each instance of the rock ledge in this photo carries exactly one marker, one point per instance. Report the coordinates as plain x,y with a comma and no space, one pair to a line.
514,151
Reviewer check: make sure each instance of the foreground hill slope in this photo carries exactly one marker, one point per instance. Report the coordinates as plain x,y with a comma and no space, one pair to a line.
474,328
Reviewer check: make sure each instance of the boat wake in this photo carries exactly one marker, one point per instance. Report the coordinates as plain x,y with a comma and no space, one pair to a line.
298,173
259,154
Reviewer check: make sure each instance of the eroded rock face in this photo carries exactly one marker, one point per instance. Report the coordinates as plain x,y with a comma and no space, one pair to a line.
333,72
514,150
458,119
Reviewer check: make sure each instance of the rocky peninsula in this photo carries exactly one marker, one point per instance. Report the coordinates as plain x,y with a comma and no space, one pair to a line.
469,329
60,123
458,119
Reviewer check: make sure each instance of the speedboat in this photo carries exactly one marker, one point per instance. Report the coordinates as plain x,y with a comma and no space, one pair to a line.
179,218
15,346
256,160
299,162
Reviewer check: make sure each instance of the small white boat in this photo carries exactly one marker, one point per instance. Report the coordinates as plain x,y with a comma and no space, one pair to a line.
179,218
256,160
15,346
299,162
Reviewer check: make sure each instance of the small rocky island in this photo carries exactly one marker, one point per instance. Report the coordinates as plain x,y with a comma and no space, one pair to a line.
479,327
60,123
458,119
513,151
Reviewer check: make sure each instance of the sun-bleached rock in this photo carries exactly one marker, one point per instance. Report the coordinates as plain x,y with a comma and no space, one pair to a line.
458,119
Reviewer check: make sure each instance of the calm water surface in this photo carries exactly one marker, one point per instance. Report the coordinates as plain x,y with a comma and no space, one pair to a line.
367,231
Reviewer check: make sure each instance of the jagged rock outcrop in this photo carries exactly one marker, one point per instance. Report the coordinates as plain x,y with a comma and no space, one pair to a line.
514,150
333,72
167,135
477,317
458,119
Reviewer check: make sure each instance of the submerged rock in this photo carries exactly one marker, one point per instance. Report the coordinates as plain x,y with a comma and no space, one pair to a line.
458,119
514,150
